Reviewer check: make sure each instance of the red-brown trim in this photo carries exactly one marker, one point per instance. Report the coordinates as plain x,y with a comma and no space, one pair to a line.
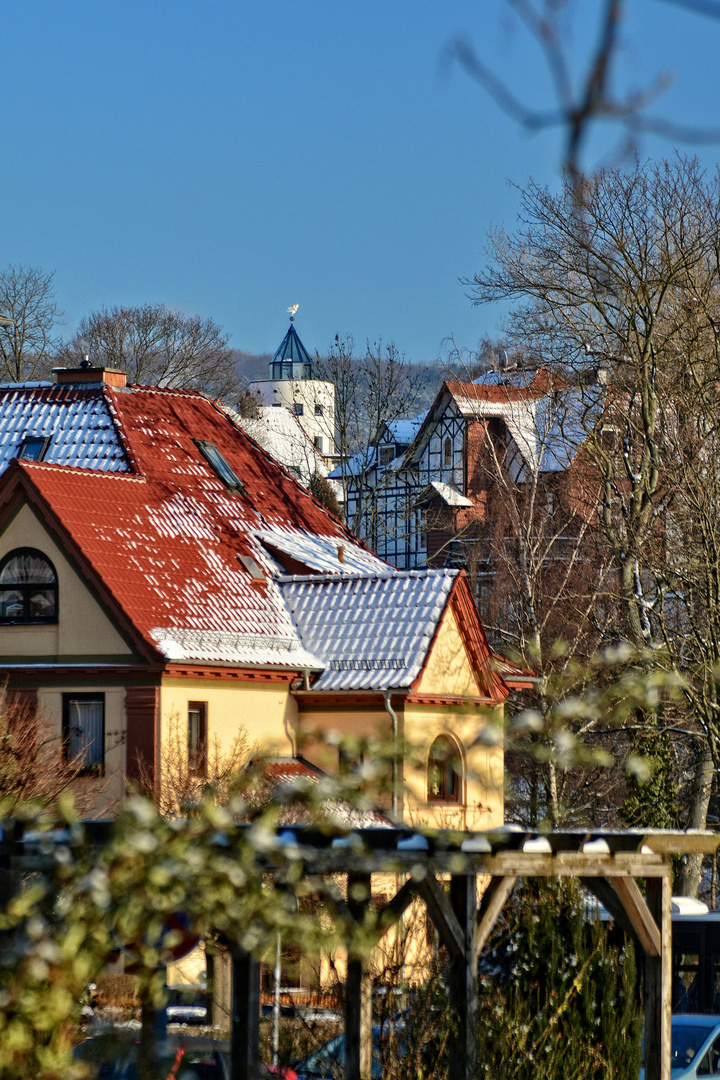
142,749
224,674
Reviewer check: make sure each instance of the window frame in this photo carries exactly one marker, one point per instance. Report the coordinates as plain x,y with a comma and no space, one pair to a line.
298,408
446,794
198,758
318,443
43,440
97,767
25,590
222,469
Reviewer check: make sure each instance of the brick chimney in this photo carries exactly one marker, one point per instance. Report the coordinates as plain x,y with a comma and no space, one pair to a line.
87,375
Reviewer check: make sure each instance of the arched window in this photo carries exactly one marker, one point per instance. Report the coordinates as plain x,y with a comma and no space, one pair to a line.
444,771
28,588
447,454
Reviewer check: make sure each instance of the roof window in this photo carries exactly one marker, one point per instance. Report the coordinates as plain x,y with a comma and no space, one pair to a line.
217,462
33,447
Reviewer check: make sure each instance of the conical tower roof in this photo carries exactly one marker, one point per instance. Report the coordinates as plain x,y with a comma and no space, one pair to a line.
292,360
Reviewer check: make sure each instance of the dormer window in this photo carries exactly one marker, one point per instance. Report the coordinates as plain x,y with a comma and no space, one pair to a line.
28,588
218,463
33,447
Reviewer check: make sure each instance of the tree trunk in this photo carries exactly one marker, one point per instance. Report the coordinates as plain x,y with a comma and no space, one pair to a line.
691,872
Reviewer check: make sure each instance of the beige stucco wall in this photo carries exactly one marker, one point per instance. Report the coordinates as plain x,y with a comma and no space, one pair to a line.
265,716
83,629
483,768
102,792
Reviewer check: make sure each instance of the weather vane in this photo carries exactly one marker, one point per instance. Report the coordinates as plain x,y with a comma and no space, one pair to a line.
292,311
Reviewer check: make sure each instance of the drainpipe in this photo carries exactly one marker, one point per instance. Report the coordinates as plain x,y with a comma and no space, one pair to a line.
393,716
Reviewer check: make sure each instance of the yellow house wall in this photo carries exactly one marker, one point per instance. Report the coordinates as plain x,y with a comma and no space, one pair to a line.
265,716
83,629
448,670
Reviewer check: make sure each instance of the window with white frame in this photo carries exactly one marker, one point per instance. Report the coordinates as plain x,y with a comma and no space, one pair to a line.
84,731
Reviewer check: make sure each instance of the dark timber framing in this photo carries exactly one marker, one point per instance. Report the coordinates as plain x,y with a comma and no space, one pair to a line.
447,870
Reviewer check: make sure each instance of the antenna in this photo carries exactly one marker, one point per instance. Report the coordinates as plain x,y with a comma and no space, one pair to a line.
292,309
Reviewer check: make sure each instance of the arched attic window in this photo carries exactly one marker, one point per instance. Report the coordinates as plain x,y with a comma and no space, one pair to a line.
28,588
445,771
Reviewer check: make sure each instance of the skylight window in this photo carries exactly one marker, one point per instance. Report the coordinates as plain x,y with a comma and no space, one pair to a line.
218,463
33,447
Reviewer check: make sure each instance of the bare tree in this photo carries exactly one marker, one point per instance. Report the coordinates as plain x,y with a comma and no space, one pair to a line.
159,346
622,278
371,391
34,767
28,338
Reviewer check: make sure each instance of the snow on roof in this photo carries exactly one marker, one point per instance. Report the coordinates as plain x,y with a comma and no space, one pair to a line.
547,428
80,426
296,772
164,537
450,495
371,633
321,553
404,431
279,432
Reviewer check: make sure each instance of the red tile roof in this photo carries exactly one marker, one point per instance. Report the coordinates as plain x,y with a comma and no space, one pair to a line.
162,543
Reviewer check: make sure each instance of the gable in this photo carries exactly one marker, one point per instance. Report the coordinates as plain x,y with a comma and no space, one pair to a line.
448,671
85,629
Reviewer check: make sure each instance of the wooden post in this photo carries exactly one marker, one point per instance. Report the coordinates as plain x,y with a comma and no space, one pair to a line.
245,1030
658,982
358,993
462,1042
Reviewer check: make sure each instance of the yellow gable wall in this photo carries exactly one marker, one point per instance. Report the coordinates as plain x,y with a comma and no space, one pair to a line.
265,716
84,629
448,671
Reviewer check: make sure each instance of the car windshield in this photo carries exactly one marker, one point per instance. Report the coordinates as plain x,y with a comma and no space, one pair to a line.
686,1041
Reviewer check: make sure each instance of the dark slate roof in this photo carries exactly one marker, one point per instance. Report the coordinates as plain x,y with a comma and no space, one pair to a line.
292,350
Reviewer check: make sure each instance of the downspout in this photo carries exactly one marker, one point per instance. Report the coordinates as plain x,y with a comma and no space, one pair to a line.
393,716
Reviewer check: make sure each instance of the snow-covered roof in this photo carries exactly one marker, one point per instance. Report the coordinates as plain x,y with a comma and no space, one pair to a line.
548,428
370,633
80,426
449,494
279,432
325,554
404,431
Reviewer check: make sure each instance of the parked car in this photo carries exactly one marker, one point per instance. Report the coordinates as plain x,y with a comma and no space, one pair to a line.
328,1063
695,1047
115,1057
187,1005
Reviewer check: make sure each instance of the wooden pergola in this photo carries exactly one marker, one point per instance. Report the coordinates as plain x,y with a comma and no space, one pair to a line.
449,870
445,870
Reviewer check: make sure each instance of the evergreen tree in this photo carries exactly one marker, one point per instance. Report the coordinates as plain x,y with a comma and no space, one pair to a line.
558,1000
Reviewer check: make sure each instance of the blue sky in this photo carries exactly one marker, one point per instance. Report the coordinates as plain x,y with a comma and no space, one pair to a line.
231,158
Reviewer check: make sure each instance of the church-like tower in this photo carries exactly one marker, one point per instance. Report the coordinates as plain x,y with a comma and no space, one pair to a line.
291,386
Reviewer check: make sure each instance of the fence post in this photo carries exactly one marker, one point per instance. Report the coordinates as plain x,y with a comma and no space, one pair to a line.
245,1029
462,1043
358,992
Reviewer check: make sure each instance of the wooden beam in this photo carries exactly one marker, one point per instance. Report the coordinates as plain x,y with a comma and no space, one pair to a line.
607,896
462,1035
644,926
245,1028
491,904
391,912
441,912
658,984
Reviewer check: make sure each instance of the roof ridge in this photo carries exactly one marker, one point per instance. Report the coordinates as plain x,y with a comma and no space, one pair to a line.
75,470
395,575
